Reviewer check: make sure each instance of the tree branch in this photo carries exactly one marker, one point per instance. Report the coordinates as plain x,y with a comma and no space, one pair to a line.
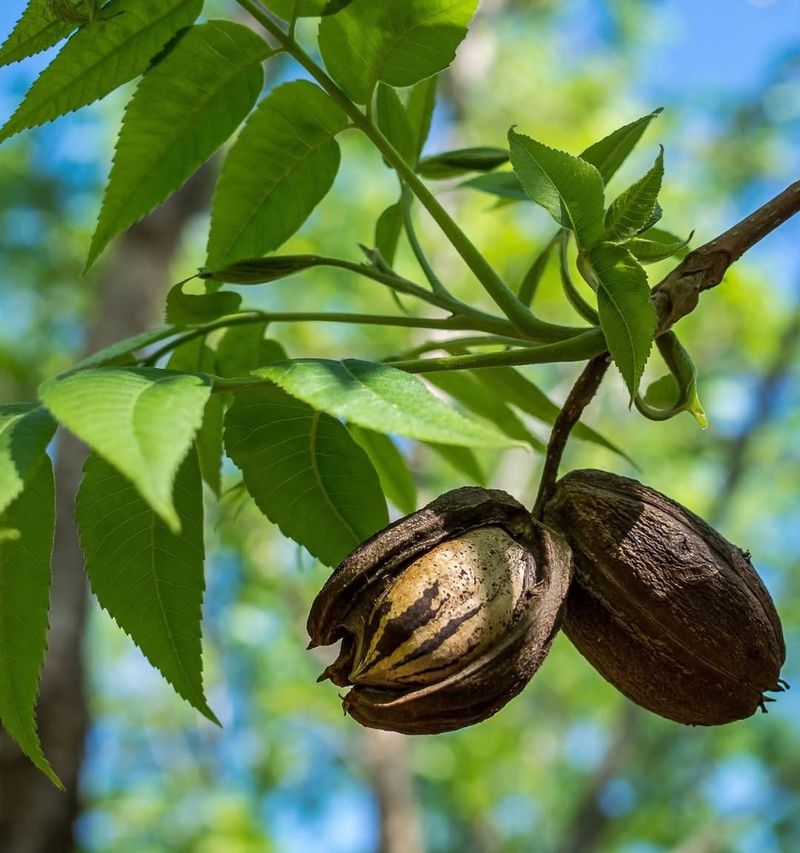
678,294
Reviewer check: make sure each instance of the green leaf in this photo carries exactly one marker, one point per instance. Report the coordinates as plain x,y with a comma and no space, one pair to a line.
387,232
281,166
611,152
148,577
482,399
462,160
141,420
101,57
654,218
191,309
381,398
25,431
288,9
663,392
24,605
626,315
262,270
570,189
519,391
461,459
393,472
184,108
123,350
634,208
195,357
244,348
419,109
390,113
529,286
657,245
305,472
676,393
36,30
506,185
397,43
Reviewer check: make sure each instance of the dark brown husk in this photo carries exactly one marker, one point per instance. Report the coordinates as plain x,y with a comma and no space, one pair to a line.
482,685
662,605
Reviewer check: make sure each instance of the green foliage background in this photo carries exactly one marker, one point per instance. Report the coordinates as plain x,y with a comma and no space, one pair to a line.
287,771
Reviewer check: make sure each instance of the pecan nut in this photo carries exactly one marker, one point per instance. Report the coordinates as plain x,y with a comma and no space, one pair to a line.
444,615
663,606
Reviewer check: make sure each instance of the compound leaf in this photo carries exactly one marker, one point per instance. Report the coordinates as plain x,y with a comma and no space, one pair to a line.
305,472
634,208
379,397
483,400
391,466
244,348
24,604
611,152
288,9
184,108
101,57
36,30
569,188
141,420
461,459
123,351
449,164
25,432
419,109
148,577
278,170
519,391
393,122
626,315
397,43
195,357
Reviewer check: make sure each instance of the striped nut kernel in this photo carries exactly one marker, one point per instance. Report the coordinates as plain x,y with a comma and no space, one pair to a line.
445,615
662,606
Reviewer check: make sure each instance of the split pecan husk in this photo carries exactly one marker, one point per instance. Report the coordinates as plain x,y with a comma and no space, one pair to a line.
445,615
663,606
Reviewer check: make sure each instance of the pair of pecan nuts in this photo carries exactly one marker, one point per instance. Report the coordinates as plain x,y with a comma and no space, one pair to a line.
445,615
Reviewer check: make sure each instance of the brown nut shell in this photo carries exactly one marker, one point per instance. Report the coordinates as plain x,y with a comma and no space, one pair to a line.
663,606
444,615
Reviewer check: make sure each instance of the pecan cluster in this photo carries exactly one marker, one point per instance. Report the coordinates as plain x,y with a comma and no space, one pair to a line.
445,615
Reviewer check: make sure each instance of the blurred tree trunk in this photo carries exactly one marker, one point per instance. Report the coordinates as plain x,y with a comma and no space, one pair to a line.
35,817
385,757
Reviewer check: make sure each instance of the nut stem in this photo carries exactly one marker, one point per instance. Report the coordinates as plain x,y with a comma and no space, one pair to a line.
579,398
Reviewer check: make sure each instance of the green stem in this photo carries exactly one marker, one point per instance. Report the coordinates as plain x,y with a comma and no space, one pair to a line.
276,267
580,348
447,345
442,299
571,292
454,323
505,298
416,247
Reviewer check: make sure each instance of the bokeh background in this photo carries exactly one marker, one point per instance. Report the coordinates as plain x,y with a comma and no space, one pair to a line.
569,765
